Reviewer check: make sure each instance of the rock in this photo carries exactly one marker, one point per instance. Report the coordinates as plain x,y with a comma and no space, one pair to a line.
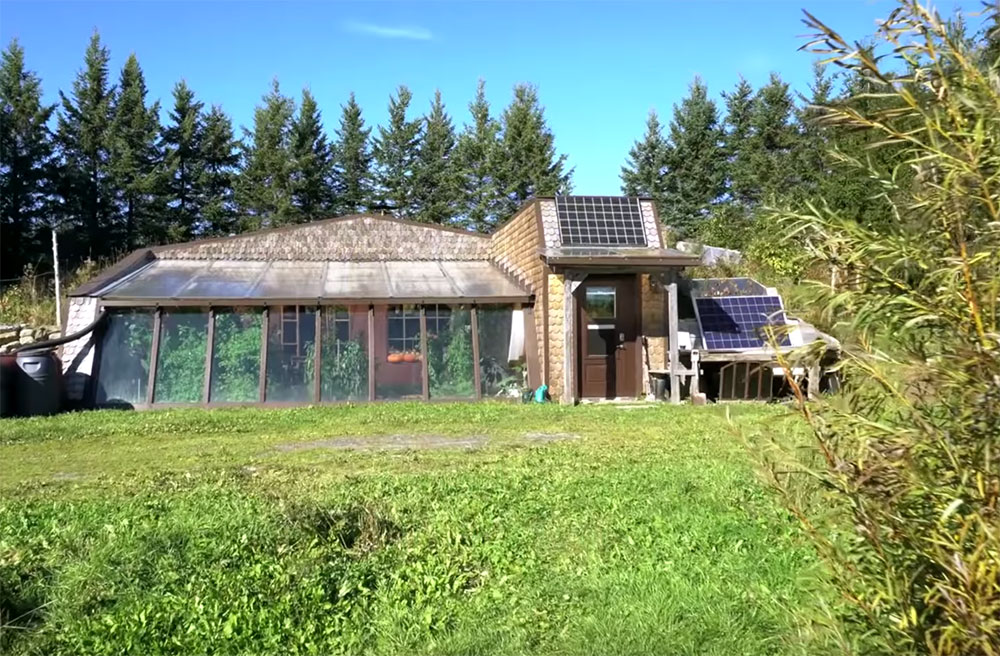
55,335
26,332
26,339
8,336
7,348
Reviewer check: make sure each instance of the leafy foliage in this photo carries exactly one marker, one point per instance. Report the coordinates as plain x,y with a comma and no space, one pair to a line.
236,356
909,454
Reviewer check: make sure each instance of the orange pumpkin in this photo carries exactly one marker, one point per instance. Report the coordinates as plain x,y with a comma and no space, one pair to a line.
409,357
394,357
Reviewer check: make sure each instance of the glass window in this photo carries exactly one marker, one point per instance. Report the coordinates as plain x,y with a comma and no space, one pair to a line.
291,360
403,334
499,376
398,364
599,302
236,356
449,352
180,362
600,339
344,357
123,373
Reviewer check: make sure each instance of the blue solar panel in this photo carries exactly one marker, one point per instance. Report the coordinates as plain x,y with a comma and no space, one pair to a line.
738,322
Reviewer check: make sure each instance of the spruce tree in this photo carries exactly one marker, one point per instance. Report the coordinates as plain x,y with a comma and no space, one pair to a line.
741,184
395,152
773,143
813,161
264,186
526,163
181,143
352,179
645,169
312,162
437,187
83,135
135,159
475,157
219,157
695,177
26,161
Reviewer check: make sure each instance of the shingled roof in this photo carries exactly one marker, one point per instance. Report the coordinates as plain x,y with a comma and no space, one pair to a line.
355,238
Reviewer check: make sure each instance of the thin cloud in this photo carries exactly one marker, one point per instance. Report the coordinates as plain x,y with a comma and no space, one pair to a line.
386,32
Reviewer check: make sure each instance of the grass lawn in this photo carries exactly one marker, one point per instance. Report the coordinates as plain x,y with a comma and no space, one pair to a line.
510,530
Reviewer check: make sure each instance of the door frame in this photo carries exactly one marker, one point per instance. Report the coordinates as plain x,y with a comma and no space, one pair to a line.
580,331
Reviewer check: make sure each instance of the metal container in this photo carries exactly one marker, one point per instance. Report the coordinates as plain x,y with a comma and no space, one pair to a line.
39,385
9,375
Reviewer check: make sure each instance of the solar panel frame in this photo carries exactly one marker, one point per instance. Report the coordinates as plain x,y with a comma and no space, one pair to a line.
600,221
736,323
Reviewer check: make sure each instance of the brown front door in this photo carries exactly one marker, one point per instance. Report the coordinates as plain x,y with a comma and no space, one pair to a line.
608,362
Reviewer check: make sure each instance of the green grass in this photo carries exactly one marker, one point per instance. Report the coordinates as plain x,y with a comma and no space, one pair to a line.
188,532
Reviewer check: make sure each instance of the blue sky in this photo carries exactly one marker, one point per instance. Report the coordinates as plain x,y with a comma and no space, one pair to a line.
600,66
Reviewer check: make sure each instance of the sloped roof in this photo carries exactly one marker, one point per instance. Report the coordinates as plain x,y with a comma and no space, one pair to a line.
355,238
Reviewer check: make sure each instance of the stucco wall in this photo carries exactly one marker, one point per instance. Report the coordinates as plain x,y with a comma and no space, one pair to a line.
78,355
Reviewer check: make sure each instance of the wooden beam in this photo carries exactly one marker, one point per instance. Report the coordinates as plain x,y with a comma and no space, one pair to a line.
317,354
531,355
477,374
262,380
423,352
154,355
569,341
206,383
371,352
814,376
675,379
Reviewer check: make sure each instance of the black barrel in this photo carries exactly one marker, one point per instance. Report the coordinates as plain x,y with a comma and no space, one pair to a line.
39,386
9,373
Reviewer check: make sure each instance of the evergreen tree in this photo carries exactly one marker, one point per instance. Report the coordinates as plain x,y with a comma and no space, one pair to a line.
526,163
737,129
475,158
695,177
219,158
645,169
312,162
181,143
352,181
437,186
135,159
773,143
83,136
395,151
813,165
25,161
264,187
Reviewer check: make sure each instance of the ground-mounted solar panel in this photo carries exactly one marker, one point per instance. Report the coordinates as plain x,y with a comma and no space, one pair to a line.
600,221
727,287
732,323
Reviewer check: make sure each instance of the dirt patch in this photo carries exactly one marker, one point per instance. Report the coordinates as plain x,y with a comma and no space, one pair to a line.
388,443
550,437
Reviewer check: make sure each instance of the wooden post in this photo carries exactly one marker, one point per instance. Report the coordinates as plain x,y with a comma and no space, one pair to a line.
262,380
206,389
675,379
371,352
423,352
154,356
695,387
814,376
477,374
569,341
55,270
317,353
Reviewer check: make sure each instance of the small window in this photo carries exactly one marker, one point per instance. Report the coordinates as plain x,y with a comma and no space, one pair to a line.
599,302
403,329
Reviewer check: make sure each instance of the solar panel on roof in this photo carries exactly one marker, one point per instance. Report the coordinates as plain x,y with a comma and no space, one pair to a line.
600,221
739,322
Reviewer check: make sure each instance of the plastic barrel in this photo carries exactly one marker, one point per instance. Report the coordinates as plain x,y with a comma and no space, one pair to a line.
39,387
9,374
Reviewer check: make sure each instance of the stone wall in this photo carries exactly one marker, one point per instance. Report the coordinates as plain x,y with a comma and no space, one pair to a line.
654,325
557,334
13,336
78,355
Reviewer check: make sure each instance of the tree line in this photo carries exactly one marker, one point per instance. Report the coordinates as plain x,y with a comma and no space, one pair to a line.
102,169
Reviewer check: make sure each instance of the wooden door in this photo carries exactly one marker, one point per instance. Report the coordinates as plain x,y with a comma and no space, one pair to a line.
607,325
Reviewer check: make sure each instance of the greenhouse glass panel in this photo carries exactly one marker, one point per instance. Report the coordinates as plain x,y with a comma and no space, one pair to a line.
449,351
180,362
344,354
500,376
236,356
398,356
291,354
123,372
